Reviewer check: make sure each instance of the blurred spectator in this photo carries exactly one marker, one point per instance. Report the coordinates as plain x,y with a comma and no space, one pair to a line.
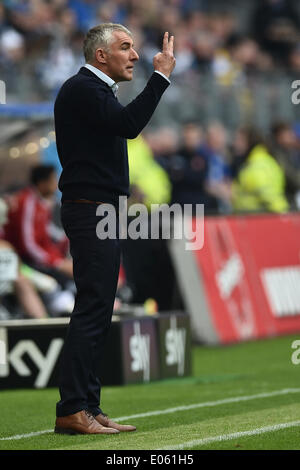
259,183
2,17
287,152
168,19
222,25
196,20
110,12
85,11
216,152
204,48
28,228
146,261
187,166
275,25
12,56
149,182
12,46
184,53
64,55
30,303
12,281
239,56
294,60
33,18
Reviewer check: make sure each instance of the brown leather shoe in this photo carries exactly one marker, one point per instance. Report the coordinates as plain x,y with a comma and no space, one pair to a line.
108,423
82,422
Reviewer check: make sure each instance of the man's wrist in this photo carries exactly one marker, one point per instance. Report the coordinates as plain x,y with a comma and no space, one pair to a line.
163,75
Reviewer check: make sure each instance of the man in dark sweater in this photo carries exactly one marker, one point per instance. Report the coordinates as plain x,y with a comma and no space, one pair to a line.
91,131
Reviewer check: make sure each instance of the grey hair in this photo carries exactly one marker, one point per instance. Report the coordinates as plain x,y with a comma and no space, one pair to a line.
100,36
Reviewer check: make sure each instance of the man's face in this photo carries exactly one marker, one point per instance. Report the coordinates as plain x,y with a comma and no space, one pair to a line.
286,138
120,58
48,187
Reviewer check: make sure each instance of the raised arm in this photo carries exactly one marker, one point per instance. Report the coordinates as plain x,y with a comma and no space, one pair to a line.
128,121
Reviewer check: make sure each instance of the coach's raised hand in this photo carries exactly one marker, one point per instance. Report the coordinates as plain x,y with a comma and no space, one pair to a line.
165,61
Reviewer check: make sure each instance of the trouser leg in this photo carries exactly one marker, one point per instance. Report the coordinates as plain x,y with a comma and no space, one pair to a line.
96,265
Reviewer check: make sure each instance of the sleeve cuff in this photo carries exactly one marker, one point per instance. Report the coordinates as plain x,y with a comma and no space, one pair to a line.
156,71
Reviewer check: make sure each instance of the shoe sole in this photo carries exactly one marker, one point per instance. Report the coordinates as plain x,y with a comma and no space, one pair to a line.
72,432
126,430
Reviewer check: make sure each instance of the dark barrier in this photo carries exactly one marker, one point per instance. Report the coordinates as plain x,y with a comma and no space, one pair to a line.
139,349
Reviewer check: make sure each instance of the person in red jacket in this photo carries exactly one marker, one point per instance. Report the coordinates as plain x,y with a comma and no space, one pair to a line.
29,225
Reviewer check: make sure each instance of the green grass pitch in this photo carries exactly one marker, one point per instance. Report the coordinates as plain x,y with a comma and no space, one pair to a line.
244,396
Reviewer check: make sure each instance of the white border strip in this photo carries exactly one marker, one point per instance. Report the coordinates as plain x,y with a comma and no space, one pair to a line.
41,322
234,435
285,391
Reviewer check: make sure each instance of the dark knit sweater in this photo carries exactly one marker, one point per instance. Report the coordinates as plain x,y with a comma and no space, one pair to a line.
91,130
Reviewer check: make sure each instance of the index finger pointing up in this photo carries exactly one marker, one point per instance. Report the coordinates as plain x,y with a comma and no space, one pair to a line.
166,42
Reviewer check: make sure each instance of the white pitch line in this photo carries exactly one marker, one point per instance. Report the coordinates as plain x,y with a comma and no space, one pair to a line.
234,435
284,391
21,436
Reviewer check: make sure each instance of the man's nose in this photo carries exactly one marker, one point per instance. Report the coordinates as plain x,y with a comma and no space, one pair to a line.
134,55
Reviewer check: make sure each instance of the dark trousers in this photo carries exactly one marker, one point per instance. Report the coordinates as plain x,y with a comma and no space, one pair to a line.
96,266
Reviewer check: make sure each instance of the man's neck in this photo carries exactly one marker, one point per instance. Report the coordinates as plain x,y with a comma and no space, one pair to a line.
98,69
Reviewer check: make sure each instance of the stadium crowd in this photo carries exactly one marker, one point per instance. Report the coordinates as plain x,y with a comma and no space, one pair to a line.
234,69
41,41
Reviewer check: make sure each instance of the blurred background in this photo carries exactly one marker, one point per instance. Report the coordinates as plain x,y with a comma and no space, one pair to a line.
226,133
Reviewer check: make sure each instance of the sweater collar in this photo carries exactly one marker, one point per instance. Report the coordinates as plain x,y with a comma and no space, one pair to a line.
105,78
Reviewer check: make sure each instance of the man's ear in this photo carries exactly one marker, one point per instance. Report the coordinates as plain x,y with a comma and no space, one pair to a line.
101,56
